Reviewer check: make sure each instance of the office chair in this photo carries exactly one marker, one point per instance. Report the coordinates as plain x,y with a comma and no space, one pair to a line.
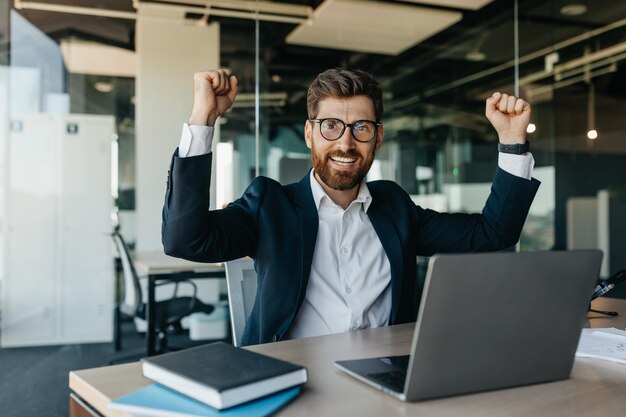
169,313
241,280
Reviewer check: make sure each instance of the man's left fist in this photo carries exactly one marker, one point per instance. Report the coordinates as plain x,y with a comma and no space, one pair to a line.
510,116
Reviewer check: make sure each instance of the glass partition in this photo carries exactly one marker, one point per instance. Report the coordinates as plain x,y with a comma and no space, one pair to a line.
236,152
572,74
435,75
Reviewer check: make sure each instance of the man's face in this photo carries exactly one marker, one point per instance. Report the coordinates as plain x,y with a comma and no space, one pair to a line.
343,163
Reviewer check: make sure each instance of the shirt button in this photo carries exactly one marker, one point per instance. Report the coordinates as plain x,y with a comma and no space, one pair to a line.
348,290
344,250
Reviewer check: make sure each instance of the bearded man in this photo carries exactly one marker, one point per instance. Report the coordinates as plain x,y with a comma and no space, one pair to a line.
334,253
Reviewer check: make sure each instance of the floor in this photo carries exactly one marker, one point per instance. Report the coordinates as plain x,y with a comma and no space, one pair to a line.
34,380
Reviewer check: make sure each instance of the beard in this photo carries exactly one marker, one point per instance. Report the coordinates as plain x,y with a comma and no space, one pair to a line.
338,179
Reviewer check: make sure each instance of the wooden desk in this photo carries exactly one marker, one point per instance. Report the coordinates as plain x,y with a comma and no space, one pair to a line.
595,388
159,266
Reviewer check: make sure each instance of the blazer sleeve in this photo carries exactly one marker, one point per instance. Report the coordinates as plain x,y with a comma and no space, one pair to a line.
191,231
498,226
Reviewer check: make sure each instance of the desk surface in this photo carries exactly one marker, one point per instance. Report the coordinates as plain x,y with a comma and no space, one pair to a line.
159,263
595,388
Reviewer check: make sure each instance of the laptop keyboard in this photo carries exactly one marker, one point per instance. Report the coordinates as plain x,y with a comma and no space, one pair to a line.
393,380
388,372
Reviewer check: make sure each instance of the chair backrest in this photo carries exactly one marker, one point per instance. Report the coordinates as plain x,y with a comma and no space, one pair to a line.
241,280
132,290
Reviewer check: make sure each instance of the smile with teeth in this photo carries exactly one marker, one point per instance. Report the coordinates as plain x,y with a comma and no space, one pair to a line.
342,161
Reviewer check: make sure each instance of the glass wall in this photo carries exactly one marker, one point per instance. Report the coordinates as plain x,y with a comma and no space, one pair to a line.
68,165
571,67
438,145
436,75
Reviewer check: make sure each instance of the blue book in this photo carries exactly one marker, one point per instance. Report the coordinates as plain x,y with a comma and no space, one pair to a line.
159,401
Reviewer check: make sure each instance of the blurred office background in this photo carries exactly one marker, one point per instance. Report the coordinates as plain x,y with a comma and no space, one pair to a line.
93,94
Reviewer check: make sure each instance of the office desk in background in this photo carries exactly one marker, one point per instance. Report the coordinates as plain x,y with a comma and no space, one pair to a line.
158,266
595,388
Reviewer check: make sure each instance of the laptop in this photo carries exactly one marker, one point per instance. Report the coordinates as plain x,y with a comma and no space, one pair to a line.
490,321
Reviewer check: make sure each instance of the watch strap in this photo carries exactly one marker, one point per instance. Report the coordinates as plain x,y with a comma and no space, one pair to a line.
516,148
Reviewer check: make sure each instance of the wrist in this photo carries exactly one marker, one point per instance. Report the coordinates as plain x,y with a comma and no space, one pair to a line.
510,139
202,118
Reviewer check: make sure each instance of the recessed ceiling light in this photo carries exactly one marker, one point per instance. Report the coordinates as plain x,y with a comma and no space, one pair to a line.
276,78
475,56
573,9
103,86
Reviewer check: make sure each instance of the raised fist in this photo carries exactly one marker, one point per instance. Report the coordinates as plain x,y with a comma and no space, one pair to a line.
213,93
510,116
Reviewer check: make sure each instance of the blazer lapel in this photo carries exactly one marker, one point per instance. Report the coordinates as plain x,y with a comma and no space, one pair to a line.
388,235
308,224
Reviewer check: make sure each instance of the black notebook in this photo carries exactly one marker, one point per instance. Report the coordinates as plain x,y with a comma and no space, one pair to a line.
222,375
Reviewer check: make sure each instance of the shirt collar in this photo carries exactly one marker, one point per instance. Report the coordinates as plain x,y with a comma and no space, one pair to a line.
364,197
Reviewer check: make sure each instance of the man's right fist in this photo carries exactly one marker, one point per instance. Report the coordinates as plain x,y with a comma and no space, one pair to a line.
213,93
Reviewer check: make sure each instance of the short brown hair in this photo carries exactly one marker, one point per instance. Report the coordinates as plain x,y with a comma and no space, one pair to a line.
344,82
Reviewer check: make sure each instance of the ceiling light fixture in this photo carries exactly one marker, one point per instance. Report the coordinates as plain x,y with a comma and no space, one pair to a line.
475,56
103,86
592,133
573,9
531,128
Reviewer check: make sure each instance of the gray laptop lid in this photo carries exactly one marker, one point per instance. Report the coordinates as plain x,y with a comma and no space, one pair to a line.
497,320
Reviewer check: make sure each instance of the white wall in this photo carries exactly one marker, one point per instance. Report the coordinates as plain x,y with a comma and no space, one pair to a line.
169,51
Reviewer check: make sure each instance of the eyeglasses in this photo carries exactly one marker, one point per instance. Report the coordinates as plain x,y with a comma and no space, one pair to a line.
362,130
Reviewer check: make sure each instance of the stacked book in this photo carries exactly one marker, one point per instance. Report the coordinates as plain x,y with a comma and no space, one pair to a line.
213,380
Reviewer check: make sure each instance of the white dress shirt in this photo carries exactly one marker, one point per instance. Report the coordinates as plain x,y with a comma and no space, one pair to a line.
350,281
349,284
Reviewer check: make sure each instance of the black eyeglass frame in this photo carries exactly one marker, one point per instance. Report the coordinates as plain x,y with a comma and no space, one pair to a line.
345,125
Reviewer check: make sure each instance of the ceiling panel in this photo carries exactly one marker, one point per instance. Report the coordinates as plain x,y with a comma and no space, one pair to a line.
371,26
460,4
84,57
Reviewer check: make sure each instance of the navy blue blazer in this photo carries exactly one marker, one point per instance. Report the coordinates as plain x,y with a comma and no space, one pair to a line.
276,225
